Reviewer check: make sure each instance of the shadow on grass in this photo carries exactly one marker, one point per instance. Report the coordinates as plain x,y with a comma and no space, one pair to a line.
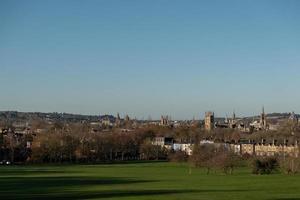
110,194
31,184
17,173
80,187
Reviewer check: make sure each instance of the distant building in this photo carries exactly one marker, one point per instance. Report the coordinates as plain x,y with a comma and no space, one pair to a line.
202,142
266,149
293,118
166,142
187,148
263,119
209,121
118,121
107,121
233,122
164,120
262,123
127,118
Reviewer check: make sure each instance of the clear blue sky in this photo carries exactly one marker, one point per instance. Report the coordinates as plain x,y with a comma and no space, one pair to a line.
150,57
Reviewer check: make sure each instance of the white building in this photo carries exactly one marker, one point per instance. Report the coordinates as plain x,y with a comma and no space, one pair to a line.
187,148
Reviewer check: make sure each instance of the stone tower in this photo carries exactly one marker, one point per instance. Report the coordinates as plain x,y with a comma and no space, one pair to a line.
209,121
164,120
127,118
118,120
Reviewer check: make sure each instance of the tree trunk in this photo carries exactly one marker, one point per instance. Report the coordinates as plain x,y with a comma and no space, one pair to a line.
208,170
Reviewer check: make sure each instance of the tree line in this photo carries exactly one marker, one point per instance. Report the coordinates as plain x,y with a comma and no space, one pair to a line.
76,143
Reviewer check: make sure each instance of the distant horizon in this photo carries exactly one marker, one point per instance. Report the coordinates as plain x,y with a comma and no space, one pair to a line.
122,115
148,58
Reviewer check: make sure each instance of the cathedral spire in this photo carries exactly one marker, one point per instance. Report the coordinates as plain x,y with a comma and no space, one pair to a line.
263,120
233,115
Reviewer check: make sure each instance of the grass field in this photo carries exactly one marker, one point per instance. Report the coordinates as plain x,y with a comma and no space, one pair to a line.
141,181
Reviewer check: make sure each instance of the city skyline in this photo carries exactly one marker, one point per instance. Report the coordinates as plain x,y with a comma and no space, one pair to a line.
150,58
200,116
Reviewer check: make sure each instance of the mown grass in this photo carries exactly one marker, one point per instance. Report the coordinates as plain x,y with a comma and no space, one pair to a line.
141,181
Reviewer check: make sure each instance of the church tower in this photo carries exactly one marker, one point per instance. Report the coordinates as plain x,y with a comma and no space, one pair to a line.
118,120
209,121
233,116
233,121
263,119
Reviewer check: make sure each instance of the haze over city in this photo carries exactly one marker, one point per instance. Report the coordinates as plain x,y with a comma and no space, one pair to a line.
147,58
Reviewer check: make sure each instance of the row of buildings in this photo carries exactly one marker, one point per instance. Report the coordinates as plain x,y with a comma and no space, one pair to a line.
243,124
242,148
259,149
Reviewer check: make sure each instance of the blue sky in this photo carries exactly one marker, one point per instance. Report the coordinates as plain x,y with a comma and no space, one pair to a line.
147,58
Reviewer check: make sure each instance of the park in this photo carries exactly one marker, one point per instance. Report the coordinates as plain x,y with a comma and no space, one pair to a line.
142,180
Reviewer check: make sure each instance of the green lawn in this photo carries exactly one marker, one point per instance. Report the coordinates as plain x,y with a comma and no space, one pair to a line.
141,181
